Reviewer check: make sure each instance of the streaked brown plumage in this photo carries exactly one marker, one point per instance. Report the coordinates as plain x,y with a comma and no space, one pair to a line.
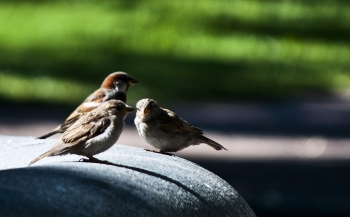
95,131
164,130
114,86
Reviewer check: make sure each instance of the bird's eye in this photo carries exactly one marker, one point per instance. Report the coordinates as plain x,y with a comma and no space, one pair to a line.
119,107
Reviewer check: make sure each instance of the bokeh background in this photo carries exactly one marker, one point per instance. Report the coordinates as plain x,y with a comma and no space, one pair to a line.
180,50
268,79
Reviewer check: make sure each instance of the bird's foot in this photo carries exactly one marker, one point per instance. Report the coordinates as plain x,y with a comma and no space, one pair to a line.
149,150
93,160
84,160
159,152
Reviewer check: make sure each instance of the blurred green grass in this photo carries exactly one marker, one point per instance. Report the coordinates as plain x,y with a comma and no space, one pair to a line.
178,50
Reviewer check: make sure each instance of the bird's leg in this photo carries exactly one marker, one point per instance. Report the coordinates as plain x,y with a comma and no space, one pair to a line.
95,160
84,160
149,150
159,152
91,159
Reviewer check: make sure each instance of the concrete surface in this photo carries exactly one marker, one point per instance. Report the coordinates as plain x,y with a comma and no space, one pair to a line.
132,182
286,159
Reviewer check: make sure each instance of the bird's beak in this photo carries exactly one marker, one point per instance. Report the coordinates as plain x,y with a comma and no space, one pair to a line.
133,81
128,109
146,111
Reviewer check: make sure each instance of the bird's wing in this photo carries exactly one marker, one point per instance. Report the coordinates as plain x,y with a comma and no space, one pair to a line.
88,126
90,103
96,96
70,121
170,122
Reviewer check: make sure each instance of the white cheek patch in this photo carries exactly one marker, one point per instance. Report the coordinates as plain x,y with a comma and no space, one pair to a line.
121,86
91,104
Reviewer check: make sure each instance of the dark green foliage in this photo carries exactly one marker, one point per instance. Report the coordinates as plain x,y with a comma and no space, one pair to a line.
178,50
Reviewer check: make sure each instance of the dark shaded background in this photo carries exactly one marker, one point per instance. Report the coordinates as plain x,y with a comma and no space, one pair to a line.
267,79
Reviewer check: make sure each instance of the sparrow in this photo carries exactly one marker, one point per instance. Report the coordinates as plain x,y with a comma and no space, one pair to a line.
114,86
163,129
94,132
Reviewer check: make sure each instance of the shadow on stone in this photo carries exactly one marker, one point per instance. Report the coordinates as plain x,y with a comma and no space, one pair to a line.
127,182
179,184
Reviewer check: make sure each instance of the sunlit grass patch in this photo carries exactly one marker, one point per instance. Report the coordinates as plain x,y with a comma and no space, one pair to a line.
26,88
263,48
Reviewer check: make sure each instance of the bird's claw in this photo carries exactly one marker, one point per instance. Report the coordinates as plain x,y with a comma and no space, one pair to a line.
149,150
159,152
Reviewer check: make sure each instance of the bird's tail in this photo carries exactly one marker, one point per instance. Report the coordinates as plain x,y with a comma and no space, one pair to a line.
48,153
49,134
211,143
63,127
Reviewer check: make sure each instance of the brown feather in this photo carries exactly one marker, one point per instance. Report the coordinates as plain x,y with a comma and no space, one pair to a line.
172,123
109,82
89,126
97,96
48,153
211,143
